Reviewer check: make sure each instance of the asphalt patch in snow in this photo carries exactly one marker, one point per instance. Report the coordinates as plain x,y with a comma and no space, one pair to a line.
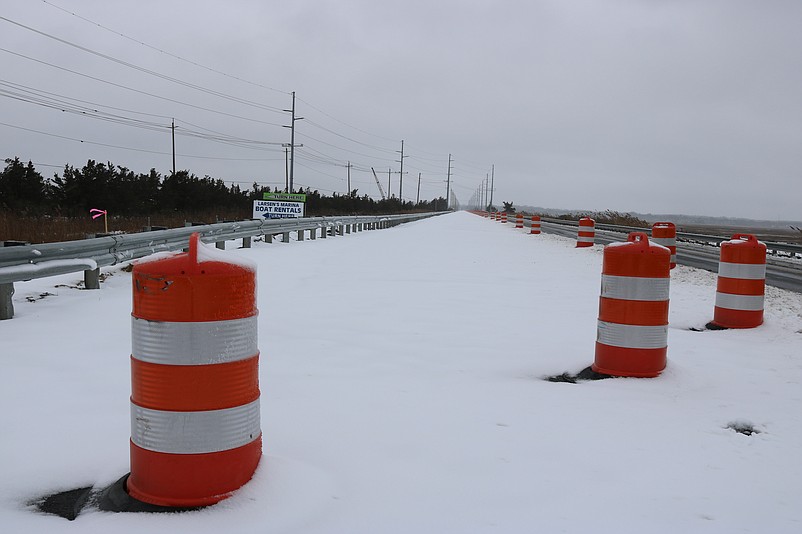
584,375
709,326
66,504
743,427
31,298
69,504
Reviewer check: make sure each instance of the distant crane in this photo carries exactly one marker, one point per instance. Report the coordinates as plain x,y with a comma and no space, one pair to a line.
384,197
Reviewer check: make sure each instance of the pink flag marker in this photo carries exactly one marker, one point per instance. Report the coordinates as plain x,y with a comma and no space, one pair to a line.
95,213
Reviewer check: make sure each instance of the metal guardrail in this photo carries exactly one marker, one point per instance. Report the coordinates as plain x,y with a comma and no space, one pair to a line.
27,262
695,250
773,247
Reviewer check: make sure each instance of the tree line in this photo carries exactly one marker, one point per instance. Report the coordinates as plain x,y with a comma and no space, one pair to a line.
122,192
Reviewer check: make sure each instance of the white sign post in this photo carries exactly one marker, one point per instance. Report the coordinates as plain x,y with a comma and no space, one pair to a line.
277,209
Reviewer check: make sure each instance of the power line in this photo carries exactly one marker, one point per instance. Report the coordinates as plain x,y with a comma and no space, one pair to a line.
175,56
143,69
108,145
205,67
139,91
66,104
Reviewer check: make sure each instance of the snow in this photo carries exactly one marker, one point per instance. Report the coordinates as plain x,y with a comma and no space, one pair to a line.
402,391
34,269
208,253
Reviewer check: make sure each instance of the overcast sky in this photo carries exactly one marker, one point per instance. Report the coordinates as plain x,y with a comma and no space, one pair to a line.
653,106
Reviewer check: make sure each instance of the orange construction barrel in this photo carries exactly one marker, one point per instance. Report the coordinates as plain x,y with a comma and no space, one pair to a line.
586,232
519,220
632,333
535,225
504,217
665,233
195,423
741,283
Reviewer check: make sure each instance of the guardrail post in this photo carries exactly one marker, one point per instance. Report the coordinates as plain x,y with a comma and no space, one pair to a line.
300,235
92,278
348,228
268,238
220,244
313,233
246,242
285,237
6,306
324,232
340,230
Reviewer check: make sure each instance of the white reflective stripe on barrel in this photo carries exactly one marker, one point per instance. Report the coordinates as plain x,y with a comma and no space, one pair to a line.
664,241
744,271
632,337
584,239
739,302
195,432
201,343
634,288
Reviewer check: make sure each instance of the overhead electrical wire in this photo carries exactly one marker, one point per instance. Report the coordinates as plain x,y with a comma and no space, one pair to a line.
139,91
145,70
175,56
243,80
108,145
310,154
382,149
66,104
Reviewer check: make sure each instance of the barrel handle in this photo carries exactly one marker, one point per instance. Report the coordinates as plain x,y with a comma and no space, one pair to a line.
639,237
744,237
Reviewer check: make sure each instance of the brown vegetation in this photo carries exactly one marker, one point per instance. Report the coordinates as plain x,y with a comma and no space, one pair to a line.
609,217
46,229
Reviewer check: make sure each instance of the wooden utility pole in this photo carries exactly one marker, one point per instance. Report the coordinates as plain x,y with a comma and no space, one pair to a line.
172,127
292,141
401,174
286,170
492,182
349,178
448,183
417,200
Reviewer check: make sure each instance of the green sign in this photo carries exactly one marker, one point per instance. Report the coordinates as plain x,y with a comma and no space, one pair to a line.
287,197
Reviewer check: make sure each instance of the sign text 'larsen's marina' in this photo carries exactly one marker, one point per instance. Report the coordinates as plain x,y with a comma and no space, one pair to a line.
276,209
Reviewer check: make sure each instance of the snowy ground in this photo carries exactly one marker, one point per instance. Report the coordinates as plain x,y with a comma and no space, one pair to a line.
402,392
